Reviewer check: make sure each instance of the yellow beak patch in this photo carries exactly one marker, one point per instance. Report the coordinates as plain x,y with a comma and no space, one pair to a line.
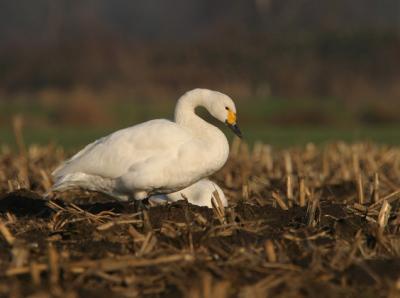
231,119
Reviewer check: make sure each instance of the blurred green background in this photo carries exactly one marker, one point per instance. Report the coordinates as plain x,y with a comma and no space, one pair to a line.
300,70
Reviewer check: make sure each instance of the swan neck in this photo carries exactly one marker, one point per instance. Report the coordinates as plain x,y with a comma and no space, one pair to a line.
185,109
206,133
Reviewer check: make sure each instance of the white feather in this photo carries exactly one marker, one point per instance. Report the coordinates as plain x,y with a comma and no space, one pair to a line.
157,156
199,193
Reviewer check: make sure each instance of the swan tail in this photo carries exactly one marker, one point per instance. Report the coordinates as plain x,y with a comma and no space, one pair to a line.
75,181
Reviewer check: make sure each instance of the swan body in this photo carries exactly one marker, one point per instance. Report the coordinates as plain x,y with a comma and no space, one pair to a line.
157,156
199,193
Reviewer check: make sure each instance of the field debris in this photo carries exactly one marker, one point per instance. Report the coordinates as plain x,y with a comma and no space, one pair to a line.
301,222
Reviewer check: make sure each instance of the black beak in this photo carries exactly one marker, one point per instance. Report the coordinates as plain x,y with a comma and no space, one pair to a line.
235,129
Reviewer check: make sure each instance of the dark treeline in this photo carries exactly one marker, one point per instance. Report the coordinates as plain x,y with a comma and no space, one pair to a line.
346,49
50,21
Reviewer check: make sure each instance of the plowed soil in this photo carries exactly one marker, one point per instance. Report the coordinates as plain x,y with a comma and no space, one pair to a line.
301,222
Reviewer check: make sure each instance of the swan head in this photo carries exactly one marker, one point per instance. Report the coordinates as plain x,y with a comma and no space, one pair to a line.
219,105
223,108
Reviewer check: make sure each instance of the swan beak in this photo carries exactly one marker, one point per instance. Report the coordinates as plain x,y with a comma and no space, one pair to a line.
235,128
231,122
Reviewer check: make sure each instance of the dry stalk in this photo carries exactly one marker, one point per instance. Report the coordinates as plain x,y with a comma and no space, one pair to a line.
376,188
356,164
262,287
6,233
34,269
289,188
218,207
19,139
46,182
257,150
279,200
313,205
107,265
270,251
389,198
288,163
137,236
360,189
325,163
235,147
23,176
302,193
209,288
10,186
148,244
266,158
169,230
20,254
245,191
384,214
199,219
54,266
361,208
146,222
111,224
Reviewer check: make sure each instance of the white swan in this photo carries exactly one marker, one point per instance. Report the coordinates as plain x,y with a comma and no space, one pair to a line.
157,156
199,193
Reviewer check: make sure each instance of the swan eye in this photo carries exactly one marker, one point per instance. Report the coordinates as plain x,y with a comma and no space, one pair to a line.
226,108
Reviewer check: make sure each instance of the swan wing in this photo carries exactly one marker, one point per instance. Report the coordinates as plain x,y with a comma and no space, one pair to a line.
116,154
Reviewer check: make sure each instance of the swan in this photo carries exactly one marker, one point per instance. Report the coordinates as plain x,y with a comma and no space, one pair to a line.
199,193
154,157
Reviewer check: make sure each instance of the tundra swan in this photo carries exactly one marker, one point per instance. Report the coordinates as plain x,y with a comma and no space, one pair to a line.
157,156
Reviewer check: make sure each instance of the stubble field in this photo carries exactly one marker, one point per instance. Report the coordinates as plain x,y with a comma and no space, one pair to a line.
302,222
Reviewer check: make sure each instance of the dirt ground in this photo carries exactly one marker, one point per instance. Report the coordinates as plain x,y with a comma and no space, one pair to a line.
301,222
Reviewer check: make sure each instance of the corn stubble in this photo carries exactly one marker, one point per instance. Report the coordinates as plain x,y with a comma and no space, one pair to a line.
304,221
